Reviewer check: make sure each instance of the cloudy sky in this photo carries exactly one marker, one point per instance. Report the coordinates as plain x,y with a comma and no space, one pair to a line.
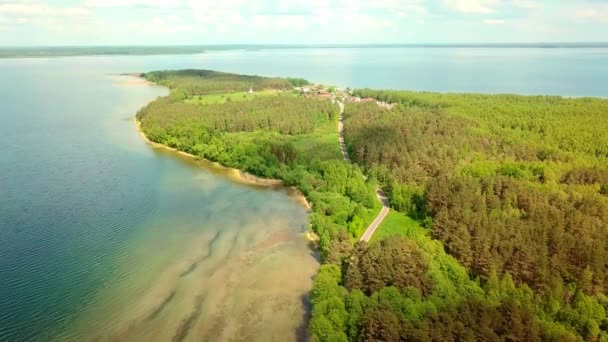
161,22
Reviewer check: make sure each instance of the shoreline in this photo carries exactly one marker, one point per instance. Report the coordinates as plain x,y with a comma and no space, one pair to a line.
131,79
233,174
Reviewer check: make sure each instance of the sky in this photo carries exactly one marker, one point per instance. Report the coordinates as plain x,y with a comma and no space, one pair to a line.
202,22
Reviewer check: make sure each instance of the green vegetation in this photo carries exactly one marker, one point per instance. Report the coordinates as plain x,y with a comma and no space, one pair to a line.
229,97
499,229
396,223
410,289
514,188
285,137
186,83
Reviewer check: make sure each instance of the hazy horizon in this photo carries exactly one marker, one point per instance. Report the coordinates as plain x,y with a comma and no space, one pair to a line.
447,44
141,50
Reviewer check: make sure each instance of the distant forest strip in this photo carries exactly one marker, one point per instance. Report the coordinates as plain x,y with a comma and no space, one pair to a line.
138,50
509,192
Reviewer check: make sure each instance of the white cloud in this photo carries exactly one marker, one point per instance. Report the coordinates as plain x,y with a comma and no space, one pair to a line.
599,12
27,8
490,6
529,4
226,10
473,6
587,13
417,6
169,24
129,3
493,21
284,21
29,13
297,15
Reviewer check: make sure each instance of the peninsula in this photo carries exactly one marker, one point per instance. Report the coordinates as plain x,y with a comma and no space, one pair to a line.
498,228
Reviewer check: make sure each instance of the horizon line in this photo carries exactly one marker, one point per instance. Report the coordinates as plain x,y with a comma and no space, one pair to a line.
510,44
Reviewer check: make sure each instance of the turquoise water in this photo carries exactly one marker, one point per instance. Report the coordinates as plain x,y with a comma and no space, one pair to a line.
102,236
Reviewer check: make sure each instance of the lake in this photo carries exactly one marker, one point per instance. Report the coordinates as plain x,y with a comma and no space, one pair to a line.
103,236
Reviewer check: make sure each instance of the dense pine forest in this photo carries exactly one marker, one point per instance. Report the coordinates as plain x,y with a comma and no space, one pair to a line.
510,196
514,187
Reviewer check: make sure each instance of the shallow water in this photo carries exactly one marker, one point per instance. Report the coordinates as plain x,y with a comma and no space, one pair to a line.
103,237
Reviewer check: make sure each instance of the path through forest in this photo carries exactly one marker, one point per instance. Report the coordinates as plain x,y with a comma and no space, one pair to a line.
369,232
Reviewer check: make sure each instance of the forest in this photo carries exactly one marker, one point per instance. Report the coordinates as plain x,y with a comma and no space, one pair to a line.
509,194
272,135
514,187
191,82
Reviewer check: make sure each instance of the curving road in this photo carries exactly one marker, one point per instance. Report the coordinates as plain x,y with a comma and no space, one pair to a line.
369,232
376,223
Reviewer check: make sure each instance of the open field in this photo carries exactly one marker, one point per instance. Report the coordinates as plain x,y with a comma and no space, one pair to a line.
396,223
233,97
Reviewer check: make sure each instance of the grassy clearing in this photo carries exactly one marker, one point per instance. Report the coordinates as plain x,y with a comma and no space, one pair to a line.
397,223
318,145
323,143
233,97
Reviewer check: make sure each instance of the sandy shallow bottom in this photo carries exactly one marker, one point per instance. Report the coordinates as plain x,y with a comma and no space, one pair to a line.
112,240
238,269
245,282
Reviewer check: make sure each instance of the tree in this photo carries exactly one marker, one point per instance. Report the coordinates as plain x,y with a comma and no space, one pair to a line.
325,284
380,325
394,261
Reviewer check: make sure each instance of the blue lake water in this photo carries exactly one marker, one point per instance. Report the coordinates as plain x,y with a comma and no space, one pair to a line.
103,236
533,71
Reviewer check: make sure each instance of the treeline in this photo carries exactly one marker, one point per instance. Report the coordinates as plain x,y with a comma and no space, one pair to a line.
291,138
514,187
200,82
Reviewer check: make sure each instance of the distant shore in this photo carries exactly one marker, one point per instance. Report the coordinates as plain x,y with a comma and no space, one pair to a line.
125,50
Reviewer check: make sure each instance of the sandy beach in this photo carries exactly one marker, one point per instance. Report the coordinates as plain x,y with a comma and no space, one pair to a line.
130,80
233,174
